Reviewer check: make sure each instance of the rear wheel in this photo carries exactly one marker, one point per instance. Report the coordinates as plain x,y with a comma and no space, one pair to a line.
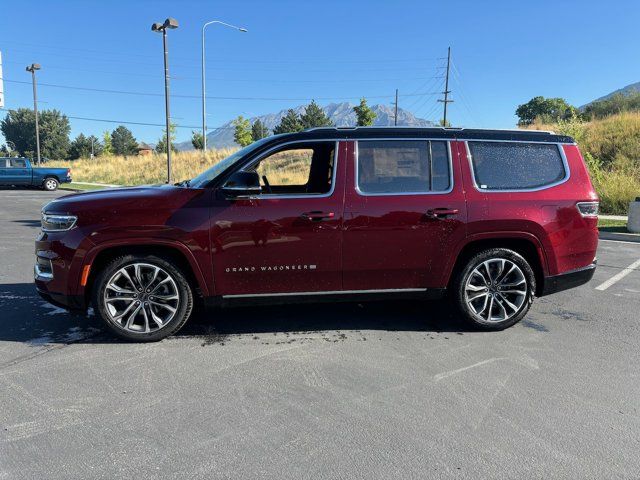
495,289
50,184
143,297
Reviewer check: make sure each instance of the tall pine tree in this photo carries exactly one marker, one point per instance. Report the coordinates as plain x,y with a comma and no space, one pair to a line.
364,115
289,123
259,130
314,116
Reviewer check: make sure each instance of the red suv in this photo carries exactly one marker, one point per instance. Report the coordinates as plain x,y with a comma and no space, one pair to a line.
494,217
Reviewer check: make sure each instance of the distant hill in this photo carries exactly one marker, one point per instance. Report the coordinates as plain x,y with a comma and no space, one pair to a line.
340,113
628,90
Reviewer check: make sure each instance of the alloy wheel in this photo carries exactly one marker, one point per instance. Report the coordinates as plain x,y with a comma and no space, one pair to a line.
495,290
141,298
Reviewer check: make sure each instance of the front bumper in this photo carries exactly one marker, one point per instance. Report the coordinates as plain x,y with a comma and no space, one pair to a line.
567,280
68,302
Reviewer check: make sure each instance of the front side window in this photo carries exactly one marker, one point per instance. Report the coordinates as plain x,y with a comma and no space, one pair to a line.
516,165
403,166
297,169
4,162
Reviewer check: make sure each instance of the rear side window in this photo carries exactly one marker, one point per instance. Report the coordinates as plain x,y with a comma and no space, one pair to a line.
18,163
403,166
4,163
516,165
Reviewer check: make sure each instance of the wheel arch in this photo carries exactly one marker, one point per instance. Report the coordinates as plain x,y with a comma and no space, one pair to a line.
522,243
99,257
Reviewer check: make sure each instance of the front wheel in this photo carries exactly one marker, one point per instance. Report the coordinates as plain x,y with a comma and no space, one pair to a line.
143,298
495,289
50,184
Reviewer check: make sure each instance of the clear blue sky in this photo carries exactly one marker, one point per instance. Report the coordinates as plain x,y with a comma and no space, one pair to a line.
504,53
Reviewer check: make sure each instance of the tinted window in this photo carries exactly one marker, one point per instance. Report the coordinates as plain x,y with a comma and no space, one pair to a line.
403,166
515,166
3,162
18,163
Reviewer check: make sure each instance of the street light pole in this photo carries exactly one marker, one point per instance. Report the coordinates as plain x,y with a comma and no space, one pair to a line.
204,86
171,23
32,68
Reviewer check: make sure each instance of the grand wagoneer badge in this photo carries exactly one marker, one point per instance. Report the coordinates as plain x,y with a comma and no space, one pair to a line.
270,268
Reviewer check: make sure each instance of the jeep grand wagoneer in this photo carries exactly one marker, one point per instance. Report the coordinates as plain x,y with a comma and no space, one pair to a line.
493,217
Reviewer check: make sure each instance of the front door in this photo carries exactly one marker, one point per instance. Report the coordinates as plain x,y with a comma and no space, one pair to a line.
404,212
19,173
287,239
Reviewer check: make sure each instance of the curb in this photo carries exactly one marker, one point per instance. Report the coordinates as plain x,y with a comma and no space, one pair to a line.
621,237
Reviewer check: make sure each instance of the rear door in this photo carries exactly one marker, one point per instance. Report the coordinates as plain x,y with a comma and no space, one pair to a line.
404,211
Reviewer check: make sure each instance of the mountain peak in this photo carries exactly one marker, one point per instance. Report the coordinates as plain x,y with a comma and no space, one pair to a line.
341,114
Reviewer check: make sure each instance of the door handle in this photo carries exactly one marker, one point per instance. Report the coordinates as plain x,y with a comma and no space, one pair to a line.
441,212
316,216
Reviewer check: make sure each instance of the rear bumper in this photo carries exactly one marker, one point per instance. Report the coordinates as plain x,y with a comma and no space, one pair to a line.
567,280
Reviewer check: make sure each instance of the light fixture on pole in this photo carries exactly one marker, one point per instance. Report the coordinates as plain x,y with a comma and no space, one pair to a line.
32,68
204,101
169,23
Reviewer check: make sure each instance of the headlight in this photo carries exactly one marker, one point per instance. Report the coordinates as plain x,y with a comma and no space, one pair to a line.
57,223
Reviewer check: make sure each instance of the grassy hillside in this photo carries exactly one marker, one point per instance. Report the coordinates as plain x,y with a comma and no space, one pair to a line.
611,147
140,170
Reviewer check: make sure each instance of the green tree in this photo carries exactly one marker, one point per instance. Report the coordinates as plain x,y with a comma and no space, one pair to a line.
259,130
547,110
442,123
289,123
123,142
107,148
19,127
242,132
314,116
161,146
197,140
617,103
80,147
364,115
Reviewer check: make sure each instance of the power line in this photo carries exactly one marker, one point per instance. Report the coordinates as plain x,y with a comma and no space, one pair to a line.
152,94
129,122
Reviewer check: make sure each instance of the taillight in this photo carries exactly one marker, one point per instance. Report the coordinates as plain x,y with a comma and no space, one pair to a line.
588,209
68,172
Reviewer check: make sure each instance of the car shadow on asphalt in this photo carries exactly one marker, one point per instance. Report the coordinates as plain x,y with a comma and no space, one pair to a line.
29,319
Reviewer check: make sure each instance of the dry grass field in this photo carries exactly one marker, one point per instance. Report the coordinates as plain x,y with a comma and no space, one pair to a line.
141,170
287,168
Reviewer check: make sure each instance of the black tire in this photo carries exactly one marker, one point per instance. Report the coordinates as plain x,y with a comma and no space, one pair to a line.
50,184
503,296
183,291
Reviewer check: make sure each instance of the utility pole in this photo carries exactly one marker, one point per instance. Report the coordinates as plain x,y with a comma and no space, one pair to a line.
446,89
32,68
395,117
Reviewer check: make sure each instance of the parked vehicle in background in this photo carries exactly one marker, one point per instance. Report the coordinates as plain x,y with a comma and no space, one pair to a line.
20,172
493,217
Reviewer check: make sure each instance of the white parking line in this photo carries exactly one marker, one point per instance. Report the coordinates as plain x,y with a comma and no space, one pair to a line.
619,276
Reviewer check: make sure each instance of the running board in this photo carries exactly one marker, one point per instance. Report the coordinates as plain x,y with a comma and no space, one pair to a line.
327,296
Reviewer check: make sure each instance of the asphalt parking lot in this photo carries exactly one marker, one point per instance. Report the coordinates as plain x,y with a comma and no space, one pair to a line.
381,390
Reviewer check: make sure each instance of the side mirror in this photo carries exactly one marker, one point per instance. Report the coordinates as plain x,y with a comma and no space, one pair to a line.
242,184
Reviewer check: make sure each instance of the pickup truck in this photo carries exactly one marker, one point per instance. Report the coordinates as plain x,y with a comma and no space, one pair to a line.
20,172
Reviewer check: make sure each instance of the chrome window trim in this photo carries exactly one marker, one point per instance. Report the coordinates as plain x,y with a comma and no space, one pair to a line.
265,154
397,194
558,145
328,292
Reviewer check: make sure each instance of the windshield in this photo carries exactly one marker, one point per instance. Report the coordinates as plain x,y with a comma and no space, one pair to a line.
205,177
